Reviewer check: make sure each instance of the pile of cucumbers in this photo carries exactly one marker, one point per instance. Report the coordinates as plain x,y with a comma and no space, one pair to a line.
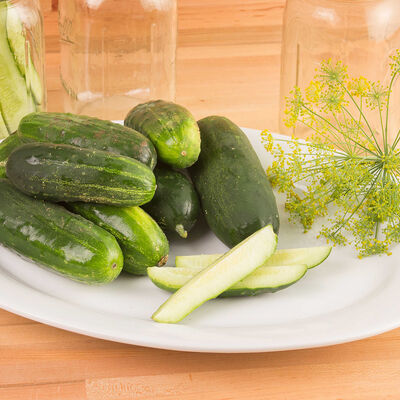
89,198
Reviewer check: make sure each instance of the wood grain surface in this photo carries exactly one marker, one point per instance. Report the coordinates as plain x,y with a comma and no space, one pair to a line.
228,63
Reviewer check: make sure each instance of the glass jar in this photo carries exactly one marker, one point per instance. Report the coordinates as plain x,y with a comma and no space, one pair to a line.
360,33
116,54
22,87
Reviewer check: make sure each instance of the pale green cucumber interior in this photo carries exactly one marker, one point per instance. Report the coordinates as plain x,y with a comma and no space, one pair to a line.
219,276
310,256
264,277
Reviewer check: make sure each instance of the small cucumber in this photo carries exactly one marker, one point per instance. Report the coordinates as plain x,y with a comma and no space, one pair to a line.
175,205
219,276
89,133
262,280
172,129
50,235
234,190
64,173
142,241
310,256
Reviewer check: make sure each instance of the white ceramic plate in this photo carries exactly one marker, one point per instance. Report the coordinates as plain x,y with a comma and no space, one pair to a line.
343,299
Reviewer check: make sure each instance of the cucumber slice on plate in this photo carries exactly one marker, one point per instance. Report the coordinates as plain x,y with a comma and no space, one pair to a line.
310,256
262,280
21,48
219,276
14,96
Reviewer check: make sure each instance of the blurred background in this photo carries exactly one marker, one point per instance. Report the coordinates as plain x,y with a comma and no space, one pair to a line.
228,59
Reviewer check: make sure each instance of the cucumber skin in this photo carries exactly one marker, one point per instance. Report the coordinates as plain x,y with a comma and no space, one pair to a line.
67,173
142,241
235,193
39,230
175,203
89,133
172,129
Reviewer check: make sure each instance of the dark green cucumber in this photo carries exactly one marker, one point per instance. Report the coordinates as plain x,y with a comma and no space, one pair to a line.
89,133
234,190
142,241
59,172
52,236
175,206
171,128
9,144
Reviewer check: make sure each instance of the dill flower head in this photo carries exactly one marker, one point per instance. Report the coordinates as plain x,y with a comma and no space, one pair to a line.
351,178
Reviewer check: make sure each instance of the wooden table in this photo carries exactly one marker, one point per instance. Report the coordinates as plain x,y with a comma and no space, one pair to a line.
228,63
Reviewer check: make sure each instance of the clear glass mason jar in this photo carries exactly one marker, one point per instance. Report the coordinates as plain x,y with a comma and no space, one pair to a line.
22,86
360,33
116,54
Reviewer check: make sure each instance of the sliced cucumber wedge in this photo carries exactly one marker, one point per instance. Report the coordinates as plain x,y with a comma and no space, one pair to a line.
262,280
3,128
14,96
22,53
219,276
310,256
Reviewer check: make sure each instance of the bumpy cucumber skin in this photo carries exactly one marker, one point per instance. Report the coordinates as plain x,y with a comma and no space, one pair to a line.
142,241
175,205
234,191
67,173
172,129
52,236
89,133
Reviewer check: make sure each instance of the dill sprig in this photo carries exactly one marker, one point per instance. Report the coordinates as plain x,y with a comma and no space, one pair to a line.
349,170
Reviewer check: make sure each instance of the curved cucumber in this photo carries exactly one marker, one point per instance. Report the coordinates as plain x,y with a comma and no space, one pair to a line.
89,133
142,241
234,190
172,129
52,236
175,205
67,173
262,280
215,279
310,256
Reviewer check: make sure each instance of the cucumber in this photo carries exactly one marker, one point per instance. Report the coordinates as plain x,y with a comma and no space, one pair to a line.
234,191
262,280
171,128
142,241
59,172
3,127
219,276
20,47
14,95
2,170
8,145
311,257
175,205
89,133
50,235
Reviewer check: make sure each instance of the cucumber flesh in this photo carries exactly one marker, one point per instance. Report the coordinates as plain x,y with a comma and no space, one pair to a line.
310,256
18,44
3,128
262,280
14,96
219,276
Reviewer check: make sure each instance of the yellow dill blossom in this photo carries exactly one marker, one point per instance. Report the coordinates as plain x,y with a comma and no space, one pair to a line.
349,177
